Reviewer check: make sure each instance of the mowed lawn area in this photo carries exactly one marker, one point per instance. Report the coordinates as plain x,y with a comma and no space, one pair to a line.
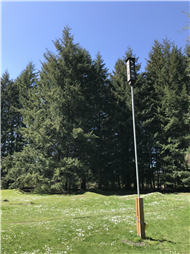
93,223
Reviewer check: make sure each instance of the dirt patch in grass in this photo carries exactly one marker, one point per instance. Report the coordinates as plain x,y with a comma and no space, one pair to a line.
138,244
22,204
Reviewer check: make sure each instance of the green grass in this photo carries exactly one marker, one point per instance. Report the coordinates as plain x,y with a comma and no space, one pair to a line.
93,223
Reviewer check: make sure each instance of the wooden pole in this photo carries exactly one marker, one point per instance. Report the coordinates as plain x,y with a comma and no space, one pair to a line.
140,217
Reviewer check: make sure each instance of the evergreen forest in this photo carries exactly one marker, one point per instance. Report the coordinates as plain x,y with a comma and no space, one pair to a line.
69,126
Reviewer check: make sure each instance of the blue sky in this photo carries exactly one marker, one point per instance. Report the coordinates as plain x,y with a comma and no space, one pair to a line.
28,28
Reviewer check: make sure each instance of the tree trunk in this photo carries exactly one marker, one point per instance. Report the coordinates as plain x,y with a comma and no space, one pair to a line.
100,179
83,184
128,182
119,183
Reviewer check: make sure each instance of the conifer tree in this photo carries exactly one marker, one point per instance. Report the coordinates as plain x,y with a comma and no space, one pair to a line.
18,96
124,155
72,124
7,126
101,123
168,82
10,118
55,114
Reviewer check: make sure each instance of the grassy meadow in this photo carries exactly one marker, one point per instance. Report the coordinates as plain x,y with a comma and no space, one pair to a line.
93,223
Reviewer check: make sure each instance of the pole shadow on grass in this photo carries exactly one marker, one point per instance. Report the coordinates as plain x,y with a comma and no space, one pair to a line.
141,243
158,240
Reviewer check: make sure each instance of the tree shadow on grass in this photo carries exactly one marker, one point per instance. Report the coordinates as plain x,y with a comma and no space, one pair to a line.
110,192
104,192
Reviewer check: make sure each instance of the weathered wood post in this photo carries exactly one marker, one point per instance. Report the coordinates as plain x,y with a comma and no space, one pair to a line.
140,218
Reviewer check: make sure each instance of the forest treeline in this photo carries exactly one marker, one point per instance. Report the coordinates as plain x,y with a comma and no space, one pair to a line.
69,125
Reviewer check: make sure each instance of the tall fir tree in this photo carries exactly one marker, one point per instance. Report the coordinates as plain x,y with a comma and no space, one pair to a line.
166,76
18,96
101,105
124,155
7,125
55,115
